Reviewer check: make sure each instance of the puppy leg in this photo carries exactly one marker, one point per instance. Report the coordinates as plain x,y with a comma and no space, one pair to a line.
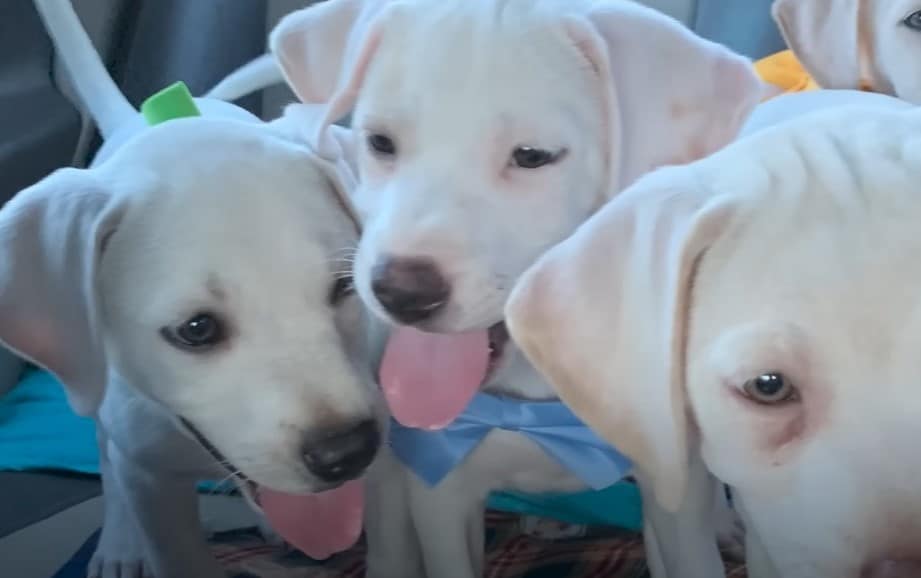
393,547
450,526
120,553
683,543
654,559
166,510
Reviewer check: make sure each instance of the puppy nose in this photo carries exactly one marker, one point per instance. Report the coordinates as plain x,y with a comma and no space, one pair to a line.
891,568
342,455
411,289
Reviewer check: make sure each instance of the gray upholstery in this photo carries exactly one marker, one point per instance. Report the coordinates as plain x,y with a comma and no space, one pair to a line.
743,25
38,126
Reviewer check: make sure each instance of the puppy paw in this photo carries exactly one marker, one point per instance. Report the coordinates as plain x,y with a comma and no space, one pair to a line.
120,552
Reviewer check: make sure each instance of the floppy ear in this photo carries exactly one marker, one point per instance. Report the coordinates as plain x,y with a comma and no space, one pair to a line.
603,316
824,36
324,51
51,235
672,96
338,158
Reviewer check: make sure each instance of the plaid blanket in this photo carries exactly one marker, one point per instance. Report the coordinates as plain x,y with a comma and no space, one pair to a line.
517,547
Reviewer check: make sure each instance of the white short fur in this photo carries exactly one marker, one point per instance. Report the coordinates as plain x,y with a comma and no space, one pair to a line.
223,214
788,251
457,85
843,43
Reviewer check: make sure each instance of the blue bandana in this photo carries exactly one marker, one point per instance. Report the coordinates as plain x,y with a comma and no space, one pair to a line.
550,424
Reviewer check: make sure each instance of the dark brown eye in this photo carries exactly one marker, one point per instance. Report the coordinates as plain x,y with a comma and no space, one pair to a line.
200,332
340,289
381,145
533,158
770,389
913,20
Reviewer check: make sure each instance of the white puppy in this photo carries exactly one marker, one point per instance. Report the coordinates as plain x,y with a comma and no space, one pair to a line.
190,293
490,130
758,310
869,44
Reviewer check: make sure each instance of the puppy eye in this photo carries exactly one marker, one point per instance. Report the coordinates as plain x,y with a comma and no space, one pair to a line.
341,288
770,389
913,20
533,158
200,332
381,145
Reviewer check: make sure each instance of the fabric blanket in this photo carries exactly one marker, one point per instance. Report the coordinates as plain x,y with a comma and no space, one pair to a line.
38,430
517,547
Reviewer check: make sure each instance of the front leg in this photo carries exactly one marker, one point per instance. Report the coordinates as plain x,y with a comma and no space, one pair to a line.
393,547
683,544
166,510
120,552
449,523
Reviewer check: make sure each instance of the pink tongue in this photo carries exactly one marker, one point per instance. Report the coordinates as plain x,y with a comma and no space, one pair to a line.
318,525
429,378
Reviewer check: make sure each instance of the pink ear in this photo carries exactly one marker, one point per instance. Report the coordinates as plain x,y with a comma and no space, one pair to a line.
824,36
673,97
603,316
324,51
50,236
312,46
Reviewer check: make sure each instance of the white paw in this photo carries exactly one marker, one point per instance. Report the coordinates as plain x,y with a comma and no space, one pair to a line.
120,552
110,564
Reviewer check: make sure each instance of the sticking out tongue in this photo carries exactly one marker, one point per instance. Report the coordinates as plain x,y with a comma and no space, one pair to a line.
319,525
429,378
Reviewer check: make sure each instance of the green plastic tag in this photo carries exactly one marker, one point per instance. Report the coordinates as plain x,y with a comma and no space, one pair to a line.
174,101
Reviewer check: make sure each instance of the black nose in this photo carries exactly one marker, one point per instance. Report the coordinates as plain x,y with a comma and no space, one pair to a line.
342,455
411,289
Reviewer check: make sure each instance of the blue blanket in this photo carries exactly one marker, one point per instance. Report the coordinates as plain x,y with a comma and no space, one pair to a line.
38,430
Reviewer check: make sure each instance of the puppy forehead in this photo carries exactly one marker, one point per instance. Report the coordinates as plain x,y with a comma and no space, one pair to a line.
224,174
827,240
228,205
438,59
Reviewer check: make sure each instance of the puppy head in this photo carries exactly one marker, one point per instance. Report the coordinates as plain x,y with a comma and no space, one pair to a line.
489,130
203,265
856,43
759,307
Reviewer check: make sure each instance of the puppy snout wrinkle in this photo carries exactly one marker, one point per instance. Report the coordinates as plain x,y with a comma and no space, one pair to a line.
342,455
411,289
893,568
